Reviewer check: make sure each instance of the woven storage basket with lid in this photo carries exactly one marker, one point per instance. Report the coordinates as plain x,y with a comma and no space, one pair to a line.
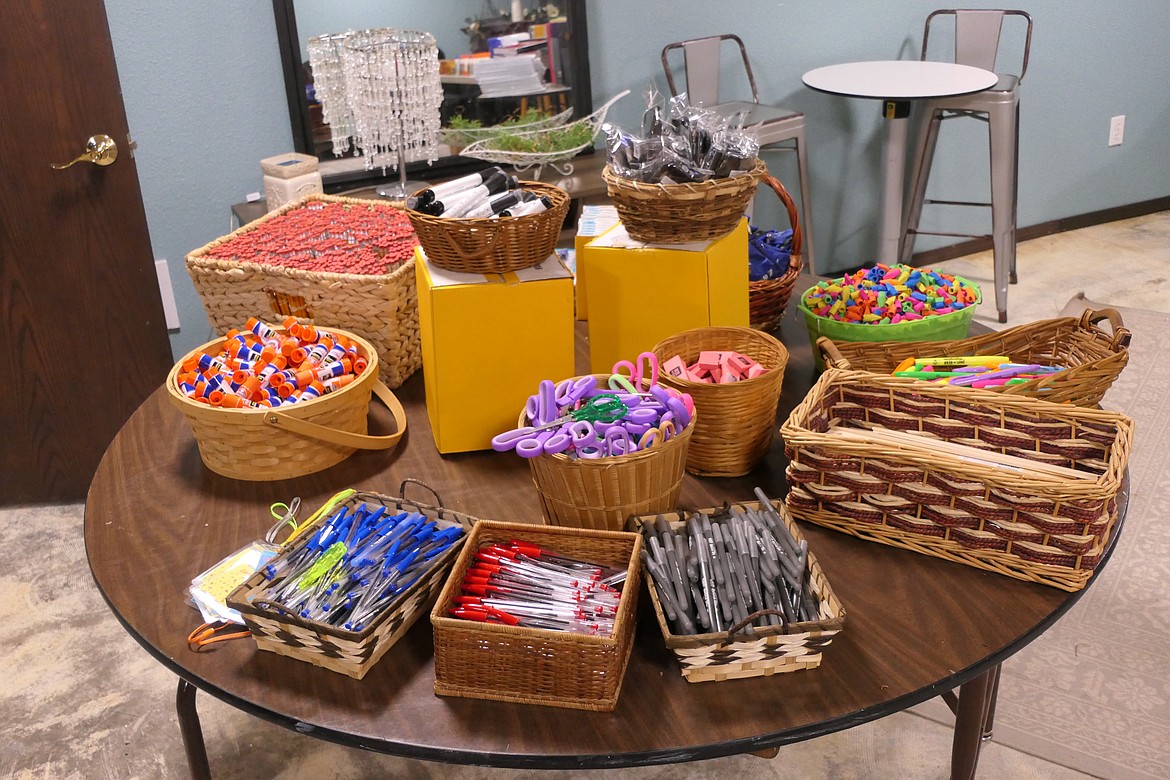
1005,483
768,650
532,665
1092,357
381,308
737,420
681,213
768,298
352,653
602,494
281,443
494,246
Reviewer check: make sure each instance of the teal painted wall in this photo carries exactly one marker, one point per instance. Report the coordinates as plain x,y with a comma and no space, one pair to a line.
205,99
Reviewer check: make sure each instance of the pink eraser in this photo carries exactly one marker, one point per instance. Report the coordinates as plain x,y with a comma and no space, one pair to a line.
675,367
696,374
755,371
728,377
708,359
741,362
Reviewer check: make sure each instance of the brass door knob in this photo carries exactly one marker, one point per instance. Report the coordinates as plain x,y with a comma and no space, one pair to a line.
99,150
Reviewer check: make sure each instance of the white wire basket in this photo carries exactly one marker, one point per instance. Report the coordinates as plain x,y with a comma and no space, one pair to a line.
462,136
490,150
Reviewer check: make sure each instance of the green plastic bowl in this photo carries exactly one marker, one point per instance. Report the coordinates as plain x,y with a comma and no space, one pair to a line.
944,327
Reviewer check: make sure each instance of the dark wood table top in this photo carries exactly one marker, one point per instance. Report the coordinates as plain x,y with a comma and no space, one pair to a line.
915,626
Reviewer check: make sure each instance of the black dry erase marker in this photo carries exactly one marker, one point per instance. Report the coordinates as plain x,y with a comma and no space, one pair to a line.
449,188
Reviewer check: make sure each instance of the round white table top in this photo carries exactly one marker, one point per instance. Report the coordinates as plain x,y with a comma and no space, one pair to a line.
899,79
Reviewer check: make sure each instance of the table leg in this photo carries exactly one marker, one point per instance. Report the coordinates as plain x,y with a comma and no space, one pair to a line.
897,116
192,732
971,720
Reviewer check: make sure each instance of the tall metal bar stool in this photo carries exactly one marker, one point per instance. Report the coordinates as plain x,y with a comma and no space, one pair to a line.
775,126
976,42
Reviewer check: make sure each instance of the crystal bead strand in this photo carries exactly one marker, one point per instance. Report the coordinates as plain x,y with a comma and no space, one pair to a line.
329,87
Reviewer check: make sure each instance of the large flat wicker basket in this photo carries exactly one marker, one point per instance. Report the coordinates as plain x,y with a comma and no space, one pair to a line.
530,665
260,445
736,421
681,213
382,308
494,246
352,653
1092,357
733,654
920,466
768,298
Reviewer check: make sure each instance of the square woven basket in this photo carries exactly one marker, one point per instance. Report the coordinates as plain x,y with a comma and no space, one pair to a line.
1004,483
1092,357
352,653
769,650
381,308
531,665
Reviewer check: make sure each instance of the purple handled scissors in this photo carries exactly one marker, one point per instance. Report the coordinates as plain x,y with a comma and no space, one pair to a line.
616,441
529,441
542,408
570,391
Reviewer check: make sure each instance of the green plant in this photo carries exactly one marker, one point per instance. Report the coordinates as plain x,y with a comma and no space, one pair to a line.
555,139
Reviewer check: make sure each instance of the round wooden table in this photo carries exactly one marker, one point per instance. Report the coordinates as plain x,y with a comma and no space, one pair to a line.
916,627
896,83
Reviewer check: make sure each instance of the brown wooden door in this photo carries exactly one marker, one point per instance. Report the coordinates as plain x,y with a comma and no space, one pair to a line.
83,333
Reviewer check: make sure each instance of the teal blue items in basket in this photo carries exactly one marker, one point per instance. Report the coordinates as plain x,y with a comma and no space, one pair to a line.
769,253
890,303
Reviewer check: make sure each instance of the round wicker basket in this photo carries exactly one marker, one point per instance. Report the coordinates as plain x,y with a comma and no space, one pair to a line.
493,246
681,213
268,444
603,494
735,422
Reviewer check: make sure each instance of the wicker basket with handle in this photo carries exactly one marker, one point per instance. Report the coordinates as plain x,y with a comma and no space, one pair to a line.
1091,356
768,298
682,213
352,653
767,650
280,443
1005,483
495,245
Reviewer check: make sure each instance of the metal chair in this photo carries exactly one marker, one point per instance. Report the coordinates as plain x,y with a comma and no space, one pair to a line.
775,126
976,42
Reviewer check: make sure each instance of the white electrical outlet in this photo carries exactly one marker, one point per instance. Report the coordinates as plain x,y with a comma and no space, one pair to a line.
170,308
1117,130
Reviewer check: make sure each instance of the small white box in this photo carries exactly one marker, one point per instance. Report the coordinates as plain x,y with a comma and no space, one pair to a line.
278,192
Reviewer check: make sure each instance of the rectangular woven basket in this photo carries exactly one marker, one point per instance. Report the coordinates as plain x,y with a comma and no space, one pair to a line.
352,653
891,460
727,655
381,308
530,665
1091,356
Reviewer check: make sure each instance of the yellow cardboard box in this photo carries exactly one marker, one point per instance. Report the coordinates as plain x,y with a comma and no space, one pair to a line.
593,222
487,341
639,294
